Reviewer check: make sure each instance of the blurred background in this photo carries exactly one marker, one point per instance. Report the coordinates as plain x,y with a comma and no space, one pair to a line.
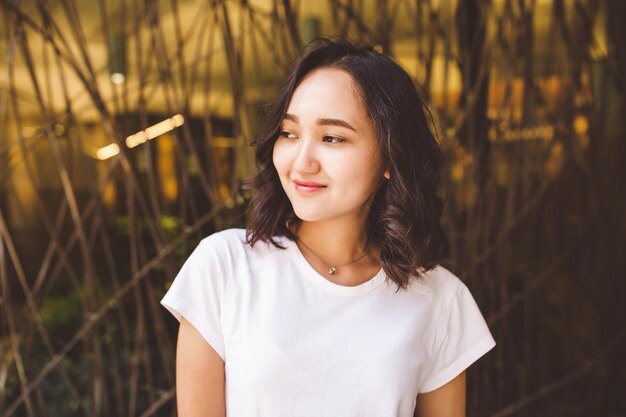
125,132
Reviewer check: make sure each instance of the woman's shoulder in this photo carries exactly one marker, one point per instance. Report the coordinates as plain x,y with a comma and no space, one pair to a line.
227,236
237,237
438,283
231,245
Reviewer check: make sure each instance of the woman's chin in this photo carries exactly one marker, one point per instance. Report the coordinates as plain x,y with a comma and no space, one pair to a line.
308,217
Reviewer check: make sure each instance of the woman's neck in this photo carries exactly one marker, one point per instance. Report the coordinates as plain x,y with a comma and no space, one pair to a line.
332,243
335,243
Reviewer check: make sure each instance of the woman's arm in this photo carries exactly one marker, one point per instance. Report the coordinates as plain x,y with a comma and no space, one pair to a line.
447,401
199,375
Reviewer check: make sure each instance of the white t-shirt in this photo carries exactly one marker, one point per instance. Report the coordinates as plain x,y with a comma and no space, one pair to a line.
296,345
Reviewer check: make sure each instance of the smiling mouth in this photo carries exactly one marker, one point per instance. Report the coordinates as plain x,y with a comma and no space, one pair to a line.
303,187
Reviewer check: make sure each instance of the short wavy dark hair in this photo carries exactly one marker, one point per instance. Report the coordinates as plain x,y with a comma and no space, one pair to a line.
404,217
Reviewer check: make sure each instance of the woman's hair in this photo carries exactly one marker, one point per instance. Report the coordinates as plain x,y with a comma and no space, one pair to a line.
404,217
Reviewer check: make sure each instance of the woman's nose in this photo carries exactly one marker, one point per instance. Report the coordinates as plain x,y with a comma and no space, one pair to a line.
306,160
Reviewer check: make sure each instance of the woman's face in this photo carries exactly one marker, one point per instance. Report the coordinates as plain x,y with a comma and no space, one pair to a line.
326,154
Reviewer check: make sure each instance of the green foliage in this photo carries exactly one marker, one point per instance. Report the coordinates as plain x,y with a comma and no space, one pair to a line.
62,316
171,224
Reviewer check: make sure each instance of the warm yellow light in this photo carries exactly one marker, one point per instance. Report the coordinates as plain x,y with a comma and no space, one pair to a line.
118,78
178,120
142,136
108,151
581,124
223,142
166,163
136,139
155,130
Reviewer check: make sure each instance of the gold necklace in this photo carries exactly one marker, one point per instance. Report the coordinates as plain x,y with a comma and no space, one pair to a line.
333,268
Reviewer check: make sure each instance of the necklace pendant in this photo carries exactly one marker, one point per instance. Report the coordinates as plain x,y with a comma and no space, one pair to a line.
332,270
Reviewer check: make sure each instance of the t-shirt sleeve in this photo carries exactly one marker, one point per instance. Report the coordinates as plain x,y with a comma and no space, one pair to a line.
197,292
461,337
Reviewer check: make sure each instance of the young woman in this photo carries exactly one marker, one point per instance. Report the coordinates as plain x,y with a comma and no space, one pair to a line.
332,301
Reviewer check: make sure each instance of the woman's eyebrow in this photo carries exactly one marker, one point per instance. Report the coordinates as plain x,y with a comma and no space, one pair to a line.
323,122
291,117
335,122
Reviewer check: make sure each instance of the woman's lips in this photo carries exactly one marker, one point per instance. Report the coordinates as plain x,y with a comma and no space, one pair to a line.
308,186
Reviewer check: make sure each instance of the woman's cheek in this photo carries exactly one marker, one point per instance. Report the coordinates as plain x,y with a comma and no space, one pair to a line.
278,158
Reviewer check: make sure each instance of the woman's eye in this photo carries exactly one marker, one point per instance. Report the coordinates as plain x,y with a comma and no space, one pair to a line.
333,139
286,134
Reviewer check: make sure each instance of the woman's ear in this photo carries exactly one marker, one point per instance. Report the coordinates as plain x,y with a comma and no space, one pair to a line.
387,174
